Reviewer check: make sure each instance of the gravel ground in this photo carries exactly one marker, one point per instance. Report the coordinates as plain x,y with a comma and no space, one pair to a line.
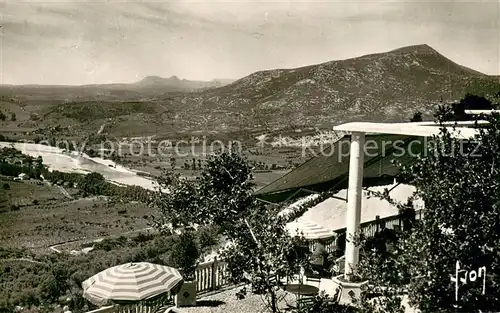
227,302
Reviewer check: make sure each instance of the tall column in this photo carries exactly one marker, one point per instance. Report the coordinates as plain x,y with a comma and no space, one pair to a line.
354,195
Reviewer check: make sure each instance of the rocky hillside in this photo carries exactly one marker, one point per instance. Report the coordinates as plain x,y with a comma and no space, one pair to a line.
379,87
387,86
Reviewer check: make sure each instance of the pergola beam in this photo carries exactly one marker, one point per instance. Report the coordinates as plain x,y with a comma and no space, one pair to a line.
479,112
421,129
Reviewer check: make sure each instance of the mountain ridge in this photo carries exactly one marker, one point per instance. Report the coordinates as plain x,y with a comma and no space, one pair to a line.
381,87
385,86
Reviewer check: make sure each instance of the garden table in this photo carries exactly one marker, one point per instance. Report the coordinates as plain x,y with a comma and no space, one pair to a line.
301,290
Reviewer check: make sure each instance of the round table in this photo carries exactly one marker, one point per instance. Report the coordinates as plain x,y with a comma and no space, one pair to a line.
301,290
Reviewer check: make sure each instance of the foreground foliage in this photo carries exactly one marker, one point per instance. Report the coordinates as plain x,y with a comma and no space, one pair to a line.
260,250
459,184
43,282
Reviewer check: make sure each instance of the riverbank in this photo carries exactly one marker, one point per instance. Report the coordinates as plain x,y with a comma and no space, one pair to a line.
71,162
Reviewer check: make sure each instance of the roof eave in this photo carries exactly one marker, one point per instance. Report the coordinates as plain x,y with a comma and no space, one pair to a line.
410,129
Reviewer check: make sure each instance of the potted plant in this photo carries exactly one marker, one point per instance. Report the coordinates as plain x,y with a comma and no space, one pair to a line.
350,289
185,256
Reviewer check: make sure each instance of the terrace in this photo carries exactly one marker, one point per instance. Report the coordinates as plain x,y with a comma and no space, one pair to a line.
217,294
211,279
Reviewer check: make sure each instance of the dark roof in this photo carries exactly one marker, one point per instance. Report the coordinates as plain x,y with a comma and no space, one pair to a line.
330,170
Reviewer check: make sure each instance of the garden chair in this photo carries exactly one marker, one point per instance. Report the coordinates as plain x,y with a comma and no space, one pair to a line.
278,280
306,300
313,279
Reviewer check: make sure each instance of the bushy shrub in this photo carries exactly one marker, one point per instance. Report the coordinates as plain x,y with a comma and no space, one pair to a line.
322,303
185,254
143,237
208,237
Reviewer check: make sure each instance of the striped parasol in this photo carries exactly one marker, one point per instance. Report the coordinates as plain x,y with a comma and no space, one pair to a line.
311,231
131,282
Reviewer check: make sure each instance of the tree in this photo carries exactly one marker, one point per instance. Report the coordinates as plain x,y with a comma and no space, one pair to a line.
3,117
264,254
13,117
260,247
93,184
177,200
221,195
6,186
55,284
39,167
417,117
456,111
458,182
52,142
226,185
185,255
474,102
459,187
91,153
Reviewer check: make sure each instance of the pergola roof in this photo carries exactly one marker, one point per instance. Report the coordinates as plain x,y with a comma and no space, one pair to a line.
423,129
329,170
479,112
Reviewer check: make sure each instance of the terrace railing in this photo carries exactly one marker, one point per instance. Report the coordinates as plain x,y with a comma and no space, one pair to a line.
151,306
211,276
371,227
392,222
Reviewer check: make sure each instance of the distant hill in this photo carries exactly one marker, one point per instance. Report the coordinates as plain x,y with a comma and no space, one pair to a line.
173,83
150,86
386,86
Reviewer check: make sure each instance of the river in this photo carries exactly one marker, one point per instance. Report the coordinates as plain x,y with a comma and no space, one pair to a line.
71,162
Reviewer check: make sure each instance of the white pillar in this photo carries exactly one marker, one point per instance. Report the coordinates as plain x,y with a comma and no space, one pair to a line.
354,195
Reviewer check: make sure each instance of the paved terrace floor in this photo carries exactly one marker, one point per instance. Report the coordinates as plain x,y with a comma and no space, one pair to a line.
227,302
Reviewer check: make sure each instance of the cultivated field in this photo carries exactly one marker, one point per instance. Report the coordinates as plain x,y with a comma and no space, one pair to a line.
57,219
22,194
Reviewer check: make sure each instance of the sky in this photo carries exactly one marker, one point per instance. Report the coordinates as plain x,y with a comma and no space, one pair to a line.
92,42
